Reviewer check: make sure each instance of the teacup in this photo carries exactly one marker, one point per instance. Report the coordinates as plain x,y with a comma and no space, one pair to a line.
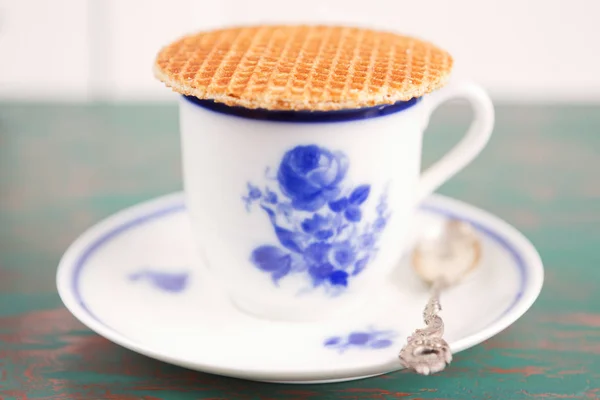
303,214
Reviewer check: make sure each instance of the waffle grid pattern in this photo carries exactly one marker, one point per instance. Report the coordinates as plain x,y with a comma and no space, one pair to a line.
318,68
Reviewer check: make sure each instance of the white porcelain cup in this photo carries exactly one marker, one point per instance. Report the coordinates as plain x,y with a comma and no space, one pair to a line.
301,215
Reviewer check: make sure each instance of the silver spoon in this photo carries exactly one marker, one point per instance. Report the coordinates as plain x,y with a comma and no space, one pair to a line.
440,261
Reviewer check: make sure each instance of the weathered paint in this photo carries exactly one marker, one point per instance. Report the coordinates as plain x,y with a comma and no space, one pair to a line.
65,167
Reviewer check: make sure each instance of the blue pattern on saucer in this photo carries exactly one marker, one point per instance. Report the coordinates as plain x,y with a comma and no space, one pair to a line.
372,339
173,282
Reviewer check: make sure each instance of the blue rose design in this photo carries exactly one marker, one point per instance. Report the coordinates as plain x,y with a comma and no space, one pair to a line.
310,175
319,222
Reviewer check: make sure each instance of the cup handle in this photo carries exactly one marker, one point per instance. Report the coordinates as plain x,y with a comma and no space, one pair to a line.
470,145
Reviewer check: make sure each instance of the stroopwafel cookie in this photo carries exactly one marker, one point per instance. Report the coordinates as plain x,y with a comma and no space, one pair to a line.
303,67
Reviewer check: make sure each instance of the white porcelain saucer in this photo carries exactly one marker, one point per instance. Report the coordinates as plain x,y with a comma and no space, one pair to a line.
136,280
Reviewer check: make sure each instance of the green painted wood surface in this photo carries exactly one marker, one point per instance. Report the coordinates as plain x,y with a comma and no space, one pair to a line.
65,167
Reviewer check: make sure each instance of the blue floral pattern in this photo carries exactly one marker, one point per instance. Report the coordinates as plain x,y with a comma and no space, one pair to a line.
317,218
367,339
173,282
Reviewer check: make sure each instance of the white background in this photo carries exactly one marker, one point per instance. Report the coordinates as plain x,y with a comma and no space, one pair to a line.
520,50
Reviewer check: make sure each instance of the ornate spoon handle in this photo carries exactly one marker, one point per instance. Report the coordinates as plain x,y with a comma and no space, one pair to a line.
426,351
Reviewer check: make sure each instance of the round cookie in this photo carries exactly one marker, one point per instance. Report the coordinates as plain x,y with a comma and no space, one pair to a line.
302,67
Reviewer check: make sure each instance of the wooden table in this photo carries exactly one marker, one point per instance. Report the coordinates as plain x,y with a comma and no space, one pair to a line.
65,167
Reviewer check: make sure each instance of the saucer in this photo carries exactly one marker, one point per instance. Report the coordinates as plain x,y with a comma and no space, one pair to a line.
135,278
